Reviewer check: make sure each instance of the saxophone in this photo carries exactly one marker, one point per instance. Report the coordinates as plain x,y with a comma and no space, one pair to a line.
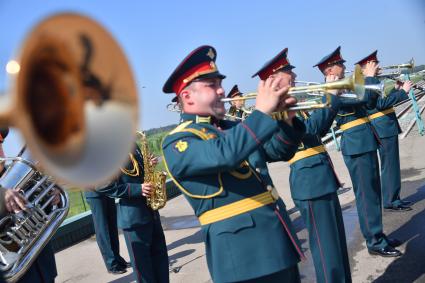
159,197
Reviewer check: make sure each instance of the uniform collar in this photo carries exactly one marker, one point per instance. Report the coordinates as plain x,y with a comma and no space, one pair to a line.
198,118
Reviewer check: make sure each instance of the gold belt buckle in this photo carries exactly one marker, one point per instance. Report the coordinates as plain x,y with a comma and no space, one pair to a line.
273,192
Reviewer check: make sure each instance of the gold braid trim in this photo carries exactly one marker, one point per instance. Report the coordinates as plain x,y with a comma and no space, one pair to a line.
133,172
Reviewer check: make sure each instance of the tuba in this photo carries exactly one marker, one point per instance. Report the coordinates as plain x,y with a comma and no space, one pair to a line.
23,235
158,178
71,87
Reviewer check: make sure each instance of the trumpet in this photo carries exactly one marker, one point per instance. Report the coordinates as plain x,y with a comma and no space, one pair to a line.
408,65
306,83
308,95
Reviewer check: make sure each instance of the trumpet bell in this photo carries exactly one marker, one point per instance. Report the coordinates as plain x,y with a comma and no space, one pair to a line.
74,99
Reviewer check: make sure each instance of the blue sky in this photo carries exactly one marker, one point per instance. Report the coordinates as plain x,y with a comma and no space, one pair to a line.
157,35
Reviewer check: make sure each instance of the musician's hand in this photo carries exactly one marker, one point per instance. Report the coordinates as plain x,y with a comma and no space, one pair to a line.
153,160
283,107
398,85
271,95
57,199
331,78
14,201
147,189
371,69
407,86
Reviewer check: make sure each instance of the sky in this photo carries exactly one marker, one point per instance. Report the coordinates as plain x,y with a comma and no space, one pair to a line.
157,35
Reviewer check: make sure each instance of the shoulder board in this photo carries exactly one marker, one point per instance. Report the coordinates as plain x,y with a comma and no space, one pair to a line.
180,127
183,128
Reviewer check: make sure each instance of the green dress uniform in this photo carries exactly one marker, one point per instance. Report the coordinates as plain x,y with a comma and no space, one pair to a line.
313,185
104,213
220,166
384,120
234,113
141,225
362,162
359,143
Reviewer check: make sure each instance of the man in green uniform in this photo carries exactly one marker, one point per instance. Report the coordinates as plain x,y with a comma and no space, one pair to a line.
220,166
104,213
141,225
236,110
385,123
314,184
359,143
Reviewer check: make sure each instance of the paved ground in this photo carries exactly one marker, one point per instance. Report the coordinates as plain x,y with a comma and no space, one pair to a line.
83,263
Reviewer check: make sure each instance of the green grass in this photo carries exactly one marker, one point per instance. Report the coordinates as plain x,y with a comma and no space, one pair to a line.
77,203
154,144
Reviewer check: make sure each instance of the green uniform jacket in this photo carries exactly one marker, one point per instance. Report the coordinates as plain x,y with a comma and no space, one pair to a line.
387,125
132,209
254,243
313,176
359,139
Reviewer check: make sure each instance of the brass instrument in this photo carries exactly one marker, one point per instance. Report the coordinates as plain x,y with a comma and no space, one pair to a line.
158,178
408,65
304,94
306,83
74,99
71,87
24,234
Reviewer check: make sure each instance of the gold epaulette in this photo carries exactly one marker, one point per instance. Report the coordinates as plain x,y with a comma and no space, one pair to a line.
180,127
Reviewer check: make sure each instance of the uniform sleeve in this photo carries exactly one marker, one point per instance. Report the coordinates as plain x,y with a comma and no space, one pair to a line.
369,99
118,189
284,143
371,96
391,99
321,120
186,154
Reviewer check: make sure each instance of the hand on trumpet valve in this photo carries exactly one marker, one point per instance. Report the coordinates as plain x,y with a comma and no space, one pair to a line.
271,95
371,69
398,84
14,201
407,85
331,78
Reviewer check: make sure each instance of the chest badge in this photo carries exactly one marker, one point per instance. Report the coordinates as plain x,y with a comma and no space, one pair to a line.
181,146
